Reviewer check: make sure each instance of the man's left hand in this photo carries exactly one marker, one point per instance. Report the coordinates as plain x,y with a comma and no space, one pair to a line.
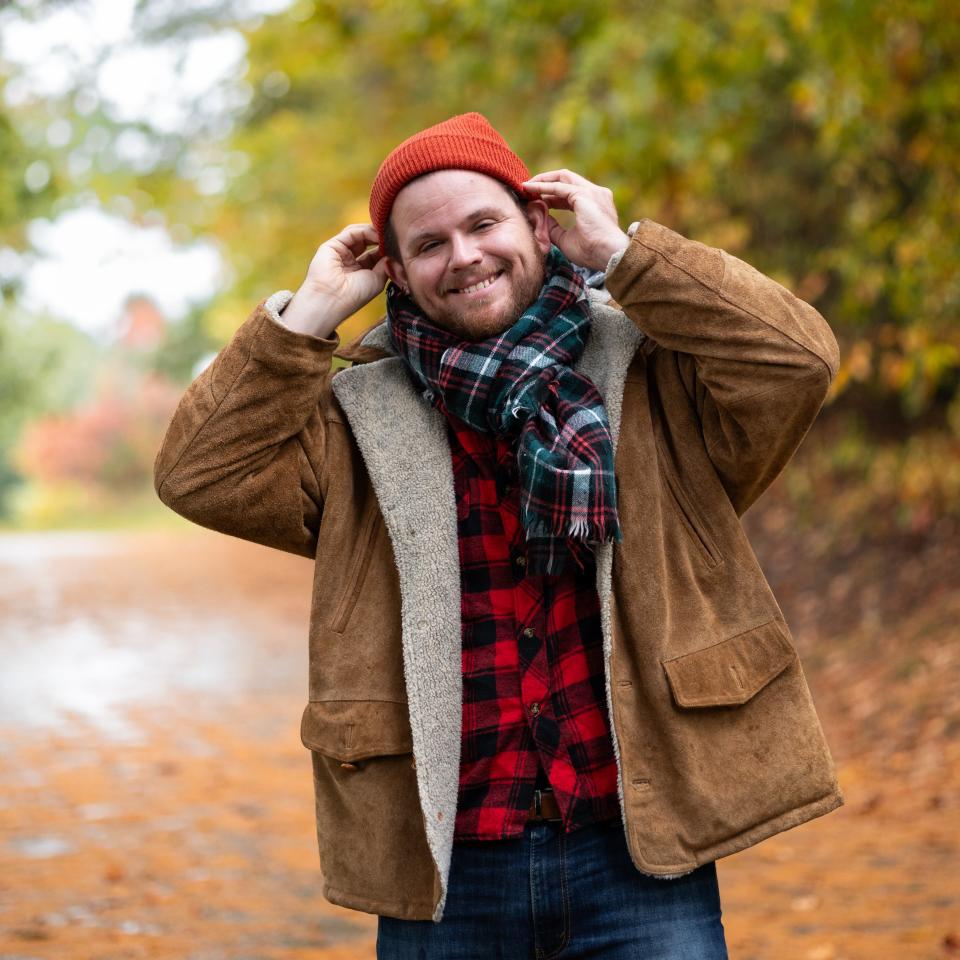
596,235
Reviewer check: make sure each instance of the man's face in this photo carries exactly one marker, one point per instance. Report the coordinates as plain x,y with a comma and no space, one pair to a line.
472,259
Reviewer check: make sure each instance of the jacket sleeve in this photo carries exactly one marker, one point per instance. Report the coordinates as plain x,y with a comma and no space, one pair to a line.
244,451
756,360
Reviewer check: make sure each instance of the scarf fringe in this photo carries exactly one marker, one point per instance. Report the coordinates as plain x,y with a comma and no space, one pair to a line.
582,530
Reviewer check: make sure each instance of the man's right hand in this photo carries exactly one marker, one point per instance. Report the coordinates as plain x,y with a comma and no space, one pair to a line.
343,276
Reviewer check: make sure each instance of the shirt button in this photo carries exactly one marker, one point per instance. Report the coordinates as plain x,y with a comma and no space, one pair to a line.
535,709
521,561
529,632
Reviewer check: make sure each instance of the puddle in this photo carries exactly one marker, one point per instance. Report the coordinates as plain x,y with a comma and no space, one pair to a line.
40,848
92,625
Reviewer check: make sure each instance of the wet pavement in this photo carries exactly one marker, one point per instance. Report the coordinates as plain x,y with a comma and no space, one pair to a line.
156,802
89,631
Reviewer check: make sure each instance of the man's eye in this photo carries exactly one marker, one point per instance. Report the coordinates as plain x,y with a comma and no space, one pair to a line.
429,245
483,224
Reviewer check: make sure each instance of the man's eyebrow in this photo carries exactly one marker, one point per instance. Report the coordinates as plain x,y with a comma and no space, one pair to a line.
494,213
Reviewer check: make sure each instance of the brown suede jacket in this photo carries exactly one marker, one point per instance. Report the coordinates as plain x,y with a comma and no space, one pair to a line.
711,374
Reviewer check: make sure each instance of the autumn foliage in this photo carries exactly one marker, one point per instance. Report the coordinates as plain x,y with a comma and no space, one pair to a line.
109,443
818,141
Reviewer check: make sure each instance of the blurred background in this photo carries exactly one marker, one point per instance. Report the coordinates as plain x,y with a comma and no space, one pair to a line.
164,166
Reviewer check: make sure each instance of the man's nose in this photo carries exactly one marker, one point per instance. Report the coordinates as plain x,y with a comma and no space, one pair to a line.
464,250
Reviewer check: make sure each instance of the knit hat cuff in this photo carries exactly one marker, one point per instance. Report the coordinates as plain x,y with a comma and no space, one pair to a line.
465,142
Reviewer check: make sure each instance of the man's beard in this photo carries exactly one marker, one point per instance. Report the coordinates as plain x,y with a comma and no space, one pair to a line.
477,325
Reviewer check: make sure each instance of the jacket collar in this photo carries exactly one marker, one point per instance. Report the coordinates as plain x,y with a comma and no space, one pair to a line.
370,345
404,444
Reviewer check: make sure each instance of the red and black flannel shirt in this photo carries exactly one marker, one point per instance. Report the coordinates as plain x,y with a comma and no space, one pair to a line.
534,697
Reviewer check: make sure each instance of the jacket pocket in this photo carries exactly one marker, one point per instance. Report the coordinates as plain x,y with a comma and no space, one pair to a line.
358,567
371,836
731,672
689,516
351,730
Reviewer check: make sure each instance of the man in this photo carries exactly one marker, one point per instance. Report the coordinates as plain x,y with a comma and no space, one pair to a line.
549,684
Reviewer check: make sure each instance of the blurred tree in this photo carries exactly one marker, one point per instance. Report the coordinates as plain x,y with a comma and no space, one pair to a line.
27,187
817,139
18,202
184,347
109,442
45,365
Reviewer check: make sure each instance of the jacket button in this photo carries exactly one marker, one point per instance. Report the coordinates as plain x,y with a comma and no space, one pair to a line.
349,766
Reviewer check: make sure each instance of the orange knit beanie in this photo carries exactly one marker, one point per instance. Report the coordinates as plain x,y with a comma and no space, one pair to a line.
464,142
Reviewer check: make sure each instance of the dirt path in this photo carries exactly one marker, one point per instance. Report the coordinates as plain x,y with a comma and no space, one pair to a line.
155,800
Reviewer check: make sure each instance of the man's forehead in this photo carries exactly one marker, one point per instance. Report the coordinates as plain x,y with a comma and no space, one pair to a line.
442,190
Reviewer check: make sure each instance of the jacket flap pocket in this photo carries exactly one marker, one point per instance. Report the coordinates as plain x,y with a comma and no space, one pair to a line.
354,729
732,671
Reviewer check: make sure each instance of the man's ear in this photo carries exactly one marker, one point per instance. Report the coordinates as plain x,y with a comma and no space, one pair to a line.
396,272
538,216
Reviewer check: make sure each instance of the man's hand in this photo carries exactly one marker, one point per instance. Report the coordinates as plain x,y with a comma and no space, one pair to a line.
596,235
342,277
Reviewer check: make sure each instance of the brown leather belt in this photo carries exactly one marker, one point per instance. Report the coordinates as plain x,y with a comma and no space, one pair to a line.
544,806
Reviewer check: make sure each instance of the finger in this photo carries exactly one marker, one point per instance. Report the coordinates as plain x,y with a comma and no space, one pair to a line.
556,203
554,194
355,239
559,187
368,260
563,176
357,236
555,231
352,228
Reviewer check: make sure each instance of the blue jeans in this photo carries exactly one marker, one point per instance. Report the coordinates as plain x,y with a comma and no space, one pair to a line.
571,896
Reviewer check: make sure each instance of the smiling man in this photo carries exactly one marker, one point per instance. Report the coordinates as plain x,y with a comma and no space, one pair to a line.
549,685
471,257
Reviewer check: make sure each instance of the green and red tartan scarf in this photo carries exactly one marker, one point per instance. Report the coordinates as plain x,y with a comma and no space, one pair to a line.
520,383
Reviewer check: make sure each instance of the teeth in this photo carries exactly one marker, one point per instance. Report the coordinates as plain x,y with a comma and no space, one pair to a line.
480,285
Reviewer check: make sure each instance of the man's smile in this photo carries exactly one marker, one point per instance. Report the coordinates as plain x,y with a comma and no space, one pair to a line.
477,286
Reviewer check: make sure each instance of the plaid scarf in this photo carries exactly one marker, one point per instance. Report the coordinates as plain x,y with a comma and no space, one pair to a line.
520,383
